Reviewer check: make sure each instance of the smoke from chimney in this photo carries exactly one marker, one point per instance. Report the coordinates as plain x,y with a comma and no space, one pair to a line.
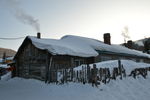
21,15
125,33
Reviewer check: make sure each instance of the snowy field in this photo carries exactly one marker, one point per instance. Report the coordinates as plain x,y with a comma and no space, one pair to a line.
126,89
29,89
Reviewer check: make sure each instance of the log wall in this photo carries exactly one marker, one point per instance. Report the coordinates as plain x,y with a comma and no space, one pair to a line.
31,62
105,57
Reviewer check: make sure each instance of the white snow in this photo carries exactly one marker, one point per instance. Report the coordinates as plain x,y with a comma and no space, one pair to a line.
63,47
140,43
1,60
129,65
29,89
6,77
4,66
80,46
10,58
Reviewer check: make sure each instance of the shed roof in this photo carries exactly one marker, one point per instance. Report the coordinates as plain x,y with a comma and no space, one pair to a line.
81,46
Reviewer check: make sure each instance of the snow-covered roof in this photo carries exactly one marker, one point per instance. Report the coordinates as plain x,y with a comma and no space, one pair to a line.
10,58
80,46
4,66
139,42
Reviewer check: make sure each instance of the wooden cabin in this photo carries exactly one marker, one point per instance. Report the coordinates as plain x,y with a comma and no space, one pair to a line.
36,55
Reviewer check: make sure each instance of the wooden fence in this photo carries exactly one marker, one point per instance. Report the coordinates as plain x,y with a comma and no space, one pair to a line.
93,75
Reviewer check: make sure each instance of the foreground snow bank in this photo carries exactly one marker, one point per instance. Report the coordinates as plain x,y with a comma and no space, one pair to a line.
126,89
4,73
6,77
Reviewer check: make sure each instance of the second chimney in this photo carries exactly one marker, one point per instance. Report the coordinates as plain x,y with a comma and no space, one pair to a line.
38,35
129,44
107,38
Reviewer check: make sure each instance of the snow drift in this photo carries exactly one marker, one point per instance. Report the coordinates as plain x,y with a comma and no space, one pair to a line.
129,65
23,89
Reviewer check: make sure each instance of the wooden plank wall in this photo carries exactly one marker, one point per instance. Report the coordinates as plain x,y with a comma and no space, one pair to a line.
31,62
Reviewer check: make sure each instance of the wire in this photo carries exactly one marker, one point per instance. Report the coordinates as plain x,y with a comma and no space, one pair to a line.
12,38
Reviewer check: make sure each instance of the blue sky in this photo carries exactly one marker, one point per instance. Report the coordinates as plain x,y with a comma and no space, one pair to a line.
89,18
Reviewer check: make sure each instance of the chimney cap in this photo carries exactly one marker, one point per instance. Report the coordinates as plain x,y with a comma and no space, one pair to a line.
129,41
130,44
107,38
106,34
38,35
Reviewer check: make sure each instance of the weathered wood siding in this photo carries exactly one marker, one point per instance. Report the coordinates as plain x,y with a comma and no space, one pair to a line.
34,63
105,57
64,61
31,62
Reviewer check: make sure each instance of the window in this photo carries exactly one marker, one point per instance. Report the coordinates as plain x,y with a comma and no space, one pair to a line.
78,62
104,58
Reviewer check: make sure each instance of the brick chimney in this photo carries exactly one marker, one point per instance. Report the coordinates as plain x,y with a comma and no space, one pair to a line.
38,35
107,38
129,44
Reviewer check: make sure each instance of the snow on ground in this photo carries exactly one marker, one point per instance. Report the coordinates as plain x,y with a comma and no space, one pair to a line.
30,89
1,60
4,66
129,65
6,77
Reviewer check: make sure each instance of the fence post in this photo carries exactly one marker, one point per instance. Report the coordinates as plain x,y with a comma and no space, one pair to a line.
124,71
88,73
63,76
108,75
82,75
94,75
120,68
85,70
71,74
